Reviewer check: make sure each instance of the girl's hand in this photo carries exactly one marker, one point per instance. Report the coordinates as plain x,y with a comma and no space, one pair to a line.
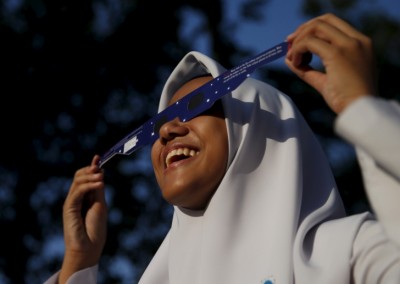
85,220
347,57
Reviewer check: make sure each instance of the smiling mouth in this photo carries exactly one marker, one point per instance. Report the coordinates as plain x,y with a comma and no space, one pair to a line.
179,154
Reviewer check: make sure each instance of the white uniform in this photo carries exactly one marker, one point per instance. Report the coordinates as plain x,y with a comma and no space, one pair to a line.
277,216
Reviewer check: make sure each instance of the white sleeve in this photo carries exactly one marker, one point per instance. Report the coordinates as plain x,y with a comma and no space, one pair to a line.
372,125
375,258
84,276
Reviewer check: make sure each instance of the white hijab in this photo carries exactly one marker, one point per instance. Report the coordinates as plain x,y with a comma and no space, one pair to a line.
269,220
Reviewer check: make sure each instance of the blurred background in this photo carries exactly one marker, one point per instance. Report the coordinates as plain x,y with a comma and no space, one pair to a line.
77,76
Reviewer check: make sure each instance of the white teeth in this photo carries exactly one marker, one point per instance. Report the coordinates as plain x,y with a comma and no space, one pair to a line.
180,151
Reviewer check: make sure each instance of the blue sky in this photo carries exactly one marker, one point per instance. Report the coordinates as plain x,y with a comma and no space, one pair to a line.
283,16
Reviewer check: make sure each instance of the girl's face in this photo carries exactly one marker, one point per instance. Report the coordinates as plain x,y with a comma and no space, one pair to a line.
190,158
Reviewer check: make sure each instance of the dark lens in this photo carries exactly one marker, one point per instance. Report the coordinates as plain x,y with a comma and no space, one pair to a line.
160,121
195,101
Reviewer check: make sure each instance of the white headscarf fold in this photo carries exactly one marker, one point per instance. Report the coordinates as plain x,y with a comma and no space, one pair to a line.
263,223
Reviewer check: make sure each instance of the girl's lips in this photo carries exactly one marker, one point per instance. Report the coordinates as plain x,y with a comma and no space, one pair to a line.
179,154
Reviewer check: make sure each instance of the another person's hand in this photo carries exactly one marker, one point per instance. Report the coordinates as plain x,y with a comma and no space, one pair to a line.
85,220
346,54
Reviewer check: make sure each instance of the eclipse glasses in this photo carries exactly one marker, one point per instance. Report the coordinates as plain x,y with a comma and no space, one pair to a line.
194,103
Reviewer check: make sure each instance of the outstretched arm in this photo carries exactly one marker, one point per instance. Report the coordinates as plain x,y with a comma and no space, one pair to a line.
369,122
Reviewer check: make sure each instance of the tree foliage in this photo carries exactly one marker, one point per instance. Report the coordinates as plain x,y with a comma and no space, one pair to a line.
77,77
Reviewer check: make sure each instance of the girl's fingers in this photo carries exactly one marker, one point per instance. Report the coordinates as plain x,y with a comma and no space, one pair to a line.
341,25
327,20
309,45
95,160
328,28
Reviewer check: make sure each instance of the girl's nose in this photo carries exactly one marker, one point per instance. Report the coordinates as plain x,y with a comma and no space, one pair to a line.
172,129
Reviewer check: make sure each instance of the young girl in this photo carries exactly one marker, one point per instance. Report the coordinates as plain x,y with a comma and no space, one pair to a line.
254,197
